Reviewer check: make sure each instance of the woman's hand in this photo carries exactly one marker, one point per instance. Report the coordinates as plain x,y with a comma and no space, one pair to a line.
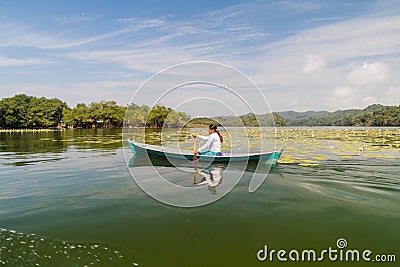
194,135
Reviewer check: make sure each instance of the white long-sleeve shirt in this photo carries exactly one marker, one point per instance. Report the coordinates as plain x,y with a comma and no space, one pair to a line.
213,143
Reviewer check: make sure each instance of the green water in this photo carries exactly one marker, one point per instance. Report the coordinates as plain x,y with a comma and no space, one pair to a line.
67,199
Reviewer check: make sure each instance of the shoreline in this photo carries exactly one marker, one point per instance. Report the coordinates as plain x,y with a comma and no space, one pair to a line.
27,130
277,127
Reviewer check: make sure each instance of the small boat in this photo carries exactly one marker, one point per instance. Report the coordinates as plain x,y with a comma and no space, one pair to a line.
251,166
173,153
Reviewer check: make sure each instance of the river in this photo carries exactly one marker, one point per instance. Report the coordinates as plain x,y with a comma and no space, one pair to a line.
67,199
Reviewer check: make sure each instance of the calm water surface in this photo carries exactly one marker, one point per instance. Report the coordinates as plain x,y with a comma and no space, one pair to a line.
67,199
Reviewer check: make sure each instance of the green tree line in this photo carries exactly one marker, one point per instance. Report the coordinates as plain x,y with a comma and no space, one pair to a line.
157,117
243,120
22,111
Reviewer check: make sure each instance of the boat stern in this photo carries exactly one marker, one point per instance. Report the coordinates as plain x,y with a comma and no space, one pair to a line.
275,156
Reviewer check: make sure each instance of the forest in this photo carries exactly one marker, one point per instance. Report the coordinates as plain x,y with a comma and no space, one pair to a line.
29,112
375,115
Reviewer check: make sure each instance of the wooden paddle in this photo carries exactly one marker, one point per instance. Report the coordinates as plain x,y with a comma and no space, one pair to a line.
195,161
195,149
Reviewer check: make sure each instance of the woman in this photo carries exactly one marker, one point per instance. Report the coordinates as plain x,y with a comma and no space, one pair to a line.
213,145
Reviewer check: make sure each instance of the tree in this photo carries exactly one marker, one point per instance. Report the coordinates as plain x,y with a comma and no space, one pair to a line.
80,116
107,113
14,110
43,112
157,116
22,111
176,119
279,121
136,118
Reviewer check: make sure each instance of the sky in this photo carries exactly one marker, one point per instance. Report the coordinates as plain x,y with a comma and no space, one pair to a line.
303,55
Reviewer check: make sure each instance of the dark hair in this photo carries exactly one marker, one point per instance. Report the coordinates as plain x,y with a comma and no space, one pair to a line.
214,127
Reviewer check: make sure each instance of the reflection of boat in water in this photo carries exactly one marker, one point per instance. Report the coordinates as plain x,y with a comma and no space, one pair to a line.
172,153
211,172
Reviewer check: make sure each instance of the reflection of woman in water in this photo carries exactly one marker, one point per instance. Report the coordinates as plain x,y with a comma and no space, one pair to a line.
212,177
213,145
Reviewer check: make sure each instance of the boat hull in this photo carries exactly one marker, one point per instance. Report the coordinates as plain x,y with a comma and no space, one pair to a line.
176,154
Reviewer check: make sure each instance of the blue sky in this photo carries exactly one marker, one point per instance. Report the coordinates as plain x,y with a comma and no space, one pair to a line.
304,55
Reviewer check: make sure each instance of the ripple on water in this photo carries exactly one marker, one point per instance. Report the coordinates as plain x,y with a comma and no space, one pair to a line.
372,182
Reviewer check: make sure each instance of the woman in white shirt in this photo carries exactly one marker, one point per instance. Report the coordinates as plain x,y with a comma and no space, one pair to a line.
212,147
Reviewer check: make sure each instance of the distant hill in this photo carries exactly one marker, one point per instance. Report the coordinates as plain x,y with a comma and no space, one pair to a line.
293,115
373,115
374,107
348,117
299,115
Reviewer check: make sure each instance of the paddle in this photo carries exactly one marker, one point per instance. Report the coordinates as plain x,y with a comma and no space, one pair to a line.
195,172
195,149
195,160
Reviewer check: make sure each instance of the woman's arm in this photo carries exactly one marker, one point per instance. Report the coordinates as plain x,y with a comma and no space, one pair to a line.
202,137
206,145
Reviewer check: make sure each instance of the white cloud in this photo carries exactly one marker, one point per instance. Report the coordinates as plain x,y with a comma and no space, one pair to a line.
83,17
343,42
390,96
369,100
281,64
13,62
23,36
343,92
323,19
314,64
143,23
343,97
298,6
369,73
343,46
238,36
